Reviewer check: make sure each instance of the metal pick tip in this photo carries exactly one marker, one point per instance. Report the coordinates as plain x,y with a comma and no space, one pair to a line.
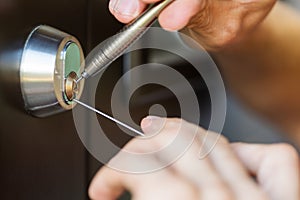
79,79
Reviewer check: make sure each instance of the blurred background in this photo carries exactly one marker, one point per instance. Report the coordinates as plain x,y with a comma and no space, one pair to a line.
44,158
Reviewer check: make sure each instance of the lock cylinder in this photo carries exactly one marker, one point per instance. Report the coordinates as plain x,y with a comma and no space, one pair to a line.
51,61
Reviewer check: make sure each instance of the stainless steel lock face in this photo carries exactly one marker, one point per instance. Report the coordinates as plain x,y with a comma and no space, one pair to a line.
50,57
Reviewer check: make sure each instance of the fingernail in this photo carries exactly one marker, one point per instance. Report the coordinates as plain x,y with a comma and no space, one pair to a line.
152,124
125,7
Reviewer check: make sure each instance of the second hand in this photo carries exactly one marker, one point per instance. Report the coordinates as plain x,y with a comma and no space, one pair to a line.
109,117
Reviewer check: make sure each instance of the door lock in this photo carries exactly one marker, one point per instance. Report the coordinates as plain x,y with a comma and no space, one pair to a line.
51,61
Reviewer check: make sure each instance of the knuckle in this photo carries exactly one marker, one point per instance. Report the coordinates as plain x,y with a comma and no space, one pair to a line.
173,124
223,140
173,121
173,128
285,152
143,146
181,127
227,34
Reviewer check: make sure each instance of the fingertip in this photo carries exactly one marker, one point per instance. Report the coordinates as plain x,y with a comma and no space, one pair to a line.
152,124
96,191
123,18
102,194
105,185
126,10
146,122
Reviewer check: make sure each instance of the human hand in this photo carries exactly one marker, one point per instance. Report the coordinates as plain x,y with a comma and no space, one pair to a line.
213,23
224,174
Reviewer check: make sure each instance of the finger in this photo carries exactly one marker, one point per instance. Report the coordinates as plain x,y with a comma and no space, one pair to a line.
108,184
126,10
199,172
170,19
224,160
178,14
232,170
275,166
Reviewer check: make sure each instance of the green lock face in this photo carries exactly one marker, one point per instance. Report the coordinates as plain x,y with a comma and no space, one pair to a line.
72,70
70,63
72,59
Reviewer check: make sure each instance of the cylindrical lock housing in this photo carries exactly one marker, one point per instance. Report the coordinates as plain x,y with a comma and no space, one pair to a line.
48,57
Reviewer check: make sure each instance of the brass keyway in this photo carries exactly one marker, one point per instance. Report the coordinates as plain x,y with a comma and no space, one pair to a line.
71,86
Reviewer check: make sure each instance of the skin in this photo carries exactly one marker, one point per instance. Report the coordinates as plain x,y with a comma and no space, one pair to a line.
214,24
253,42
228,167
244,37
262,69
